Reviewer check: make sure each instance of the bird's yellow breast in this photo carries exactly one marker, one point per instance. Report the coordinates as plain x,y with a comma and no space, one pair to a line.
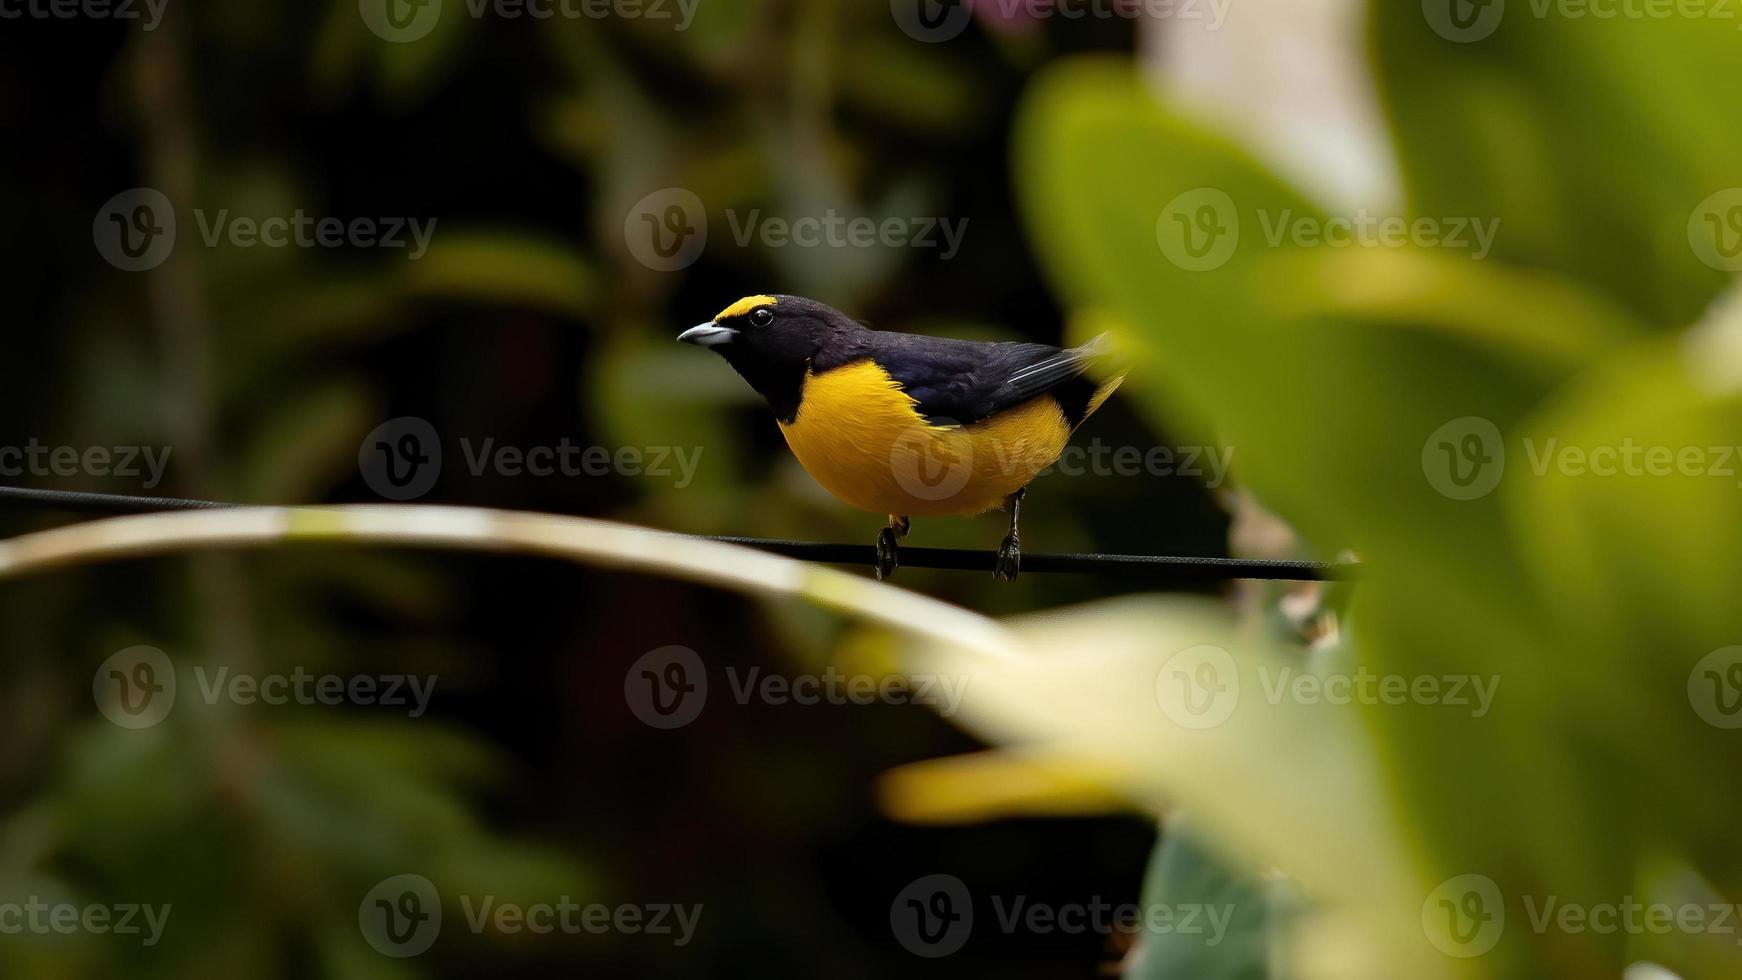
858,435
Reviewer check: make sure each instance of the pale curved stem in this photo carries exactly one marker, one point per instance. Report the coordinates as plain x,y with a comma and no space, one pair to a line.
586,541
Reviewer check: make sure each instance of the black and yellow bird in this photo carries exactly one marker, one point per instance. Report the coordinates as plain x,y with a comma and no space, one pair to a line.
906,425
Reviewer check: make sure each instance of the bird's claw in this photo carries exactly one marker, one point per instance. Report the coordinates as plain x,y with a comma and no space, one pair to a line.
1009,561
887,557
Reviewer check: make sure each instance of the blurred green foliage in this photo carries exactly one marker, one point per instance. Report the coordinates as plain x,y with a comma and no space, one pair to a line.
528,321
1592,141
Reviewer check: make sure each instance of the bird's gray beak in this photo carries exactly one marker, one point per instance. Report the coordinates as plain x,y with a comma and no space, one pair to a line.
708,334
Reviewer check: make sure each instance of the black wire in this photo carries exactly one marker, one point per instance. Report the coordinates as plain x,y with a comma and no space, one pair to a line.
78,501
1170,567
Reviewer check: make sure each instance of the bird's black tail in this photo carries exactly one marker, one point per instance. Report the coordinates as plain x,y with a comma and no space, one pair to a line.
1104,366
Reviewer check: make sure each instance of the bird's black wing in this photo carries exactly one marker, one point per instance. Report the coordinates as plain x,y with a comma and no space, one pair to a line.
963,381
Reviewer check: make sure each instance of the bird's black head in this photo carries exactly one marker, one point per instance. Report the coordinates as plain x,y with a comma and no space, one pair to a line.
772,341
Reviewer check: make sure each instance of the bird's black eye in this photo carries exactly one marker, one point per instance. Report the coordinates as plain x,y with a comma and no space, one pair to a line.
762,317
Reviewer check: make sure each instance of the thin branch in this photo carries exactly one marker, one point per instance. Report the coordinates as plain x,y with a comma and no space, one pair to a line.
585,541
1162,568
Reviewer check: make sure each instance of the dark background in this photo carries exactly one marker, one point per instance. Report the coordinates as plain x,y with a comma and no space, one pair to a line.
263,370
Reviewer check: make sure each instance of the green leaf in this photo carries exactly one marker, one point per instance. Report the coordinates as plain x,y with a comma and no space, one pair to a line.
1340,377
306,446
1638,570
1183,874
1593,139
505,268
1328,371
1272,784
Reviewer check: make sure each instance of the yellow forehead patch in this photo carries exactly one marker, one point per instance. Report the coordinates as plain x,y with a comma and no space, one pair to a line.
745,305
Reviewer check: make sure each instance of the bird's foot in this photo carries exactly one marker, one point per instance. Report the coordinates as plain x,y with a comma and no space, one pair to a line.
1009,561
887,557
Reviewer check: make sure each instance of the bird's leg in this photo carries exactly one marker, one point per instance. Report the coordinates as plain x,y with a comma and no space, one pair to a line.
887,557
1010,551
